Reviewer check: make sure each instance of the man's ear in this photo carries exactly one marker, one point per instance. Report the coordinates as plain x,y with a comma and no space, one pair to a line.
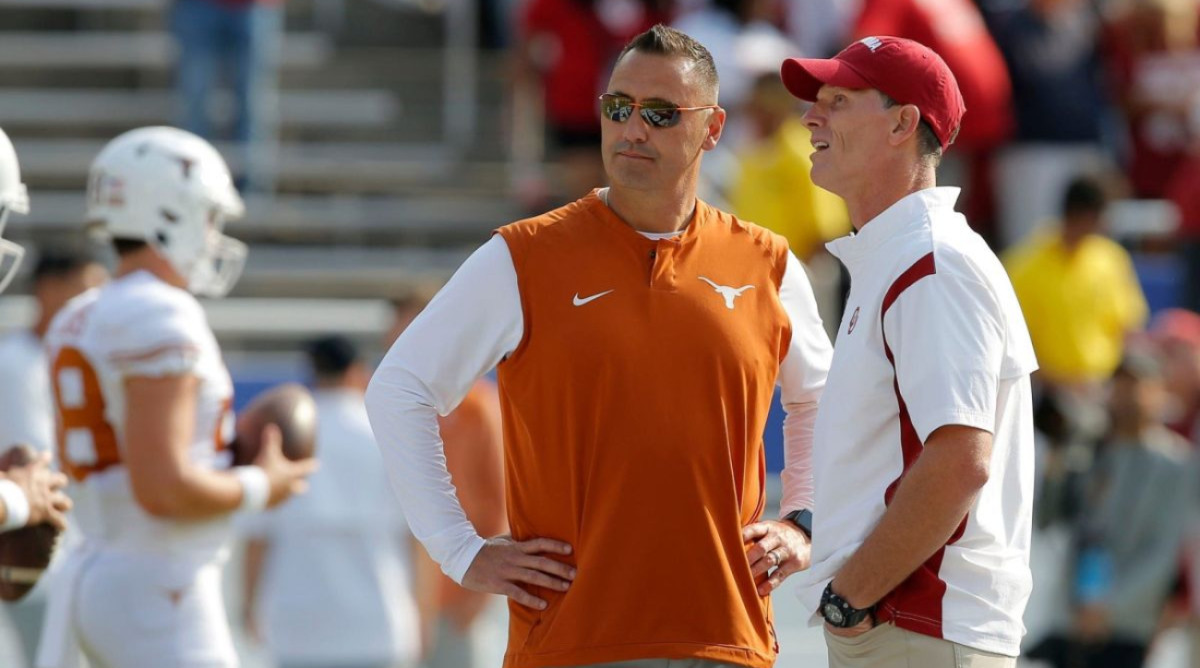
716,125
908,120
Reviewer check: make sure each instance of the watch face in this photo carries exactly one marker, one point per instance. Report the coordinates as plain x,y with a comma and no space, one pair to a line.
833,614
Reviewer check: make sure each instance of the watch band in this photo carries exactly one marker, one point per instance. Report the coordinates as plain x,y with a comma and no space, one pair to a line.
803,519
839,613
20,575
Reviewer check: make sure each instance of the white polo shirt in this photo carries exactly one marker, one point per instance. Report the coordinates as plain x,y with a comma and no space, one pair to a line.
932,335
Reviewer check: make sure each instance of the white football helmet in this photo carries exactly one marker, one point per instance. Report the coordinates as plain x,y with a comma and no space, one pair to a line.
171,189
13,199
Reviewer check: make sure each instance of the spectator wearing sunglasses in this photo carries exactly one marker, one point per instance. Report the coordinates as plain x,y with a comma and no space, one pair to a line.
639,335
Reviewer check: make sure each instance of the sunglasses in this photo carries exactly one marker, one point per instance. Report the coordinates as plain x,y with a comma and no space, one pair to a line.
658,113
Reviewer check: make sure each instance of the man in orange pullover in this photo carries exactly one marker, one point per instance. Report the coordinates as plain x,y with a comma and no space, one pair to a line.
640,334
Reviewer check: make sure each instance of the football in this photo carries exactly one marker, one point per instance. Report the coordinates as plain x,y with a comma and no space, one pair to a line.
291,408
24,553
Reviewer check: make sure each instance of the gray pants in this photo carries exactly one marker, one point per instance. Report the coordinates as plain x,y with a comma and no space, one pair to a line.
661,663
455,648
887,646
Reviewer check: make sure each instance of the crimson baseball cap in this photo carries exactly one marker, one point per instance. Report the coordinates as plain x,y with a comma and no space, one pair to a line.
906,71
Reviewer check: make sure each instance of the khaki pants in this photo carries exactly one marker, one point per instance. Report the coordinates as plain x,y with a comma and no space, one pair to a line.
1195,642
887,646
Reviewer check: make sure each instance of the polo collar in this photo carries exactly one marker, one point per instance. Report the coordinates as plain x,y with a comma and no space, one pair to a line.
911,212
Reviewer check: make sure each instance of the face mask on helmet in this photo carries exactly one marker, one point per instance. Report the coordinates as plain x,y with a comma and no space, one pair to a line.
173,190
13,199
10,253
218,268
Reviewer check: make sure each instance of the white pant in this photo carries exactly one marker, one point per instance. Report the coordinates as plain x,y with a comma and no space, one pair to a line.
129,611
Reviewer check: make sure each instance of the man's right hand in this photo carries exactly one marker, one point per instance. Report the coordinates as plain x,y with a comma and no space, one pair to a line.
43,488
505,566
287,477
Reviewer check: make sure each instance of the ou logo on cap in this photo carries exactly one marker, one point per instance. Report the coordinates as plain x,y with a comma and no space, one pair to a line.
871,43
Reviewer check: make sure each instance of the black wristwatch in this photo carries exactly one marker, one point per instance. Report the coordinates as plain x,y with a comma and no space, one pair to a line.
839,613
802,519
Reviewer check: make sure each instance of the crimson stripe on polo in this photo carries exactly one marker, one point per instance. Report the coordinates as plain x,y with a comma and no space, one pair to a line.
915,605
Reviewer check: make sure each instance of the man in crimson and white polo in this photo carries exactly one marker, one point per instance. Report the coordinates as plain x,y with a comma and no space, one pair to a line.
923,445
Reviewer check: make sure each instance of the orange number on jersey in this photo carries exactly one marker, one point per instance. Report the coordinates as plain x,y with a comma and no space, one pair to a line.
81,417
219,441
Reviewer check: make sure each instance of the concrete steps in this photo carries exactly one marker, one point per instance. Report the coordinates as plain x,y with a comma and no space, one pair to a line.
363,168
66,110
429,220
372,191
129,49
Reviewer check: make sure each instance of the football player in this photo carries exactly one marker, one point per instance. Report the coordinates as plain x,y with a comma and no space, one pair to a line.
29,494
144,406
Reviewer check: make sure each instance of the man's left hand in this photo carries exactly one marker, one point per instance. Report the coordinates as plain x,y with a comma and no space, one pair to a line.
779,545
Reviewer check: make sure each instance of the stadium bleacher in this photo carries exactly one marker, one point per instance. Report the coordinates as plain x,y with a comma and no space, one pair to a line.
382,180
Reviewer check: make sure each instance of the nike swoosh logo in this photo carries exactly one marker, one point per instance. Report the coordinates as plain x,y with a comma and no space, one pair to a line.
580,302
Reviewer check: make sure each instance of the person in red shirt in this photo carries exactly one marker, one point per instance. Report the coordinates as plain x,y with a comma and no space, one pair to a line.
1154,62
565,49
955,30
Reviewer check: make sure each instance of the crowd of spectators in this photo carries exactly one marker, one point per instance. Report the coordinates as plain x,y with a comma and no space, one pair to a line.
1053,89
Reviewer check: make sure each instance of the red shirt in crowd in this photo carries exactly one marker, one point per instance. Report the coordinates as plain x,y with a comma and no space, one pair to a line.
575,42
956,31
1156,84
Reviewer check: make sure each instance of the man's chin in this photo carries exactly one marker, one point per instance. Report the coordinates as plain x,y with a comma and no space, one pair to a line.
820,179
630,174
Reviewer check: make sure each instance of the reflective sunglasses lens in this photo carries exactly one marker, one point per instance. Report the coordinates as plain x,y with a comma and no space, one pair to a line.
616,109
661,116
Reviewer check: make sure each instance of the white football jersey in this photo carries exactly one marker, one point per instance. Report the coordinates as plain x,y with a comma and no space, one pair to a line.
135,326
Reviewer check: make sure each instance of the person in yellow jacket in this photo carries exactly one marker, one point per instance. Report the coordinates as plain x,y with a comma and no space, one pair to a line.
773,186
1078,290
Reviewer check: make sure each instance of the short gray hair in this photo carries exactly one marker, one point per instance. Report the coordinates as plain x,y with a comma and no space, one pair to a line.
663,40
927,142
